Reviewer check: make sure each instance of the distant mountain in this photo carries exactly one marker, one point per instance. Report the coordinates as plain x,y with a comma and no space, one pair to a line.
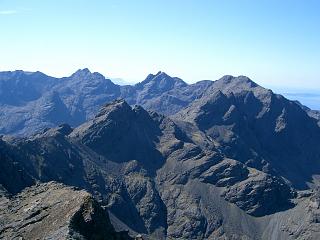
120,81
225,167
34,101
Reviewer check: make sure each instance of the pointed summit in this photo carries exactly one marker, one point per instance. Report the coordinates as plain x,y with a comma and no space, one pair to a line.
162,74
84,70
236,82
81,73
116,105
115,111
161,82
121,134
154,77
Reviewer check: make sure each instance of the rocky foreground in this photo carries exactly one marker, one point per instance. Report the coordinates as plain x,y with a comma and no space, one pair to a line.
54,211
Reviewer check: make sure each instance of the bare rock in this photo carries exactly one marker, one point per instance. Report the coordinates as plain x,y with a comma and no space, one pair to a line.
54,211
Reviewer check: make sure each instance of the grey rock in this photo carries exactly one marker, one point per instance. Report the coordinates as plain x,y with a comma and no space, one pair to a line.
54,211
260,194
225,173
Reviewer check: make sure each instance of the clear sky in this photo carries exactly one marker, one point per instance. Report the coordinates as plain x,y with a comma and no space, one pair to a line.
275,43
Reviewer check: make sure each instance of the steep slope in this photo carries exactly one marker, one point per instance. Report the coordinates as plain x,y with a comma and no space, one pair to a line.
312,113
33,101
54,211
259,128
13,177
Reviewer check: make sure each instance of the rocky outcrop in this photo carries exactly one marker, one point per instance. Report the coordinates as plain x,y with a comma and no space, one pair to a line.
225,173
260,194
54,211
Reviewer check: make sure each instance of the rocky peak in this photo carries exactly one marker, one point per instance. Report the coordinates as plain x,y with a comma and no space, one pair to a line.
162,81
227,78
240,79
122,134
81,73
112,115
118,105
161,74
156,76
85,80
236,85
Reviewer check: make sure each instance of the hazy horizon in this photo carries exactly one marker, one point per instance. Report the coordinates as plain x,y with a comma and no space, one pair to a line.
194,40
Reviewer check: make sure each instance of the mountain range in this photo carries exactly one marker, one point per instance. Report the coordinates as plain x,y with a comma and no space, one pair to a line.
225,159
33,101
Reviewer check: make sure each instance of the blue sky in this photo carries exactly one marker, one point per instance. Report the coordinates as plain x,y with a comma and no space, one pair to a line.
275,43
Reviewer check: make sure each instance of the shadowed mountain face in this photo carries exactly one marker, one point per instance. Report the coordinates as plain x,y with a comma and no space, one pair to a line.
119,132
232,161
312,113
